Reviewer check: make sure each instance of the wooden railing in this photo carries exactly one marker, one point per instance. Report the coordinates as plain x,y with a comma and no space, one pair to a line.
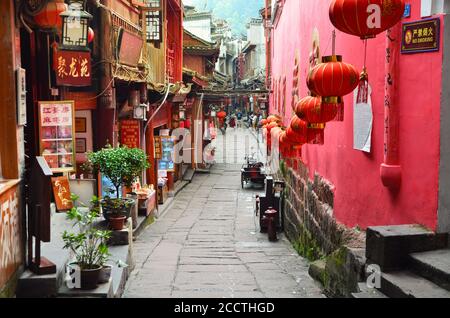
119,22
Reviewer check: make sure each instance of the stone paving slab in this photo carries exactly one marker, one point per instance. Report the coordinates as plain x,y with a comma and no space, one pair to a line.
208,244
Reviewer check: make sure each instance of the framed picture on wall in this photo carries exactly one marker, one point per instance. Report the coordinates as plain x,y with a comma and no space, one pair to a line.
80,125
80,145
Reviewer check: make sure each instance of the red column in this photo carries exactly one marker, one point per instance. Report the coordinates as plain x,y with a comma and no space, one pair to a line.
391,171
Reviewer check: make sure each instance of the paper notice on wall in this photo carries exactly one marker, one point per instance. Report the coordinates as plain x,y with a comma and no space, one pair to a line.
362,123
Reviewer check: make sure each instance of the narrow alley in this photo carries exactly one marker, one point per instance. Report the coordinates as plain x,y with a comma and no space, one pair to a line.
208,245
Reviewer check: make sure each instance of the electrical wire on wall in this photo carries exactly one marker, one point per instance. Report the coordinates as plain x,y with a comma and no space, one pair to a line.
144,135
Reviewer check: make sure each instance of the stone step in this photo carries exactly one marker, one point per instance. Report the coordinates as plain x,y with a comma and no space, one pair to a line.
189,175
115,287
433,265
389,246
366,292
405,284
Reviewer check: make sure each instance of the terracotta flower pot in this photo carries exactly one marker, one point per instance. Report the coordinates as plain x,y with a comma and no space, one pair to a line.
116,223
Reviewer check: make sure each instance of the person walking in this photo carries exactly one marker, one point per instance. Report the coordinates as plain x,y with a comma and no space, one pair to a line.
239,118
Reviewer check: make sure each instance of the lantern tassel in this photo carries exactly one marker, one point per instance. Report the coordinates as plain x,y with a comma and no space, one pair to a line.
363,88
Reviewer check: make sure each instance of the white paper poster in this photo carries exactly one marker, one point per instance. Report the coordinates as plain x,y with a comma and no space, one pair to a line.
362,123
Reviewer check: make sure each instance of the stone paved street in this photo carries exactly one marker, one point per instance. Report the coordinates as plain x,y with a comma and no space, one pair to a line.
208,243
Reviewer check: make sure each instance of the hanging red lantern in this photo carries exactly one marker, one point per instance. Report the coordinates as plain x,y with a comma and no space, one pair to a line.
366,18
293,137
299,126
49,17
333,79
313,110
270,126
91,35
274,118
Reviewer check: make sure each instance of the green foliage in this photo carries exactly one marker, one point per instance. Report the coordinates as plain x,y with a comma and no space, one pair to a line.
88,244
122,165
307,246
116,207
283,168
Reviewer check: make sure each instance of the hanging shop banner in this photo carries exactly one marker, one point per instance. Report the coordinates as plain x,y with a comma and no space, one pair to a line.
421,36
56,132
130,133
72,68
167,163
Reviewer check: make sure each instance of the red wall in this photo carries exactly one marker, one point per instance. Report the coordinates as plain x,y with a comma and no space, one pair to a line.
360,197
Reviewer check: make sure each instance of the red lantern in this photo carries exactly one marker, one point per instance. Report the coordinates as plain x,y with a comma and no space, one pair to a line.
293,137
91,35
299,126
333,79
49,17
270,126
366,18
274,118
312,110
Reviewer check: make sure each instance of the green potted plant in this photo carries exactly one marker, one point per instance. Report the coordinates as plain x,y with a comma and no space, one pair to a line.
121,166
88,244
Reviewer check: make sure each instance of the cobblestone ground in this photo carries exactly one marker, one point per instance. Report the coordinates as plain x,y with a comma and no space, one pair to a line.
208,244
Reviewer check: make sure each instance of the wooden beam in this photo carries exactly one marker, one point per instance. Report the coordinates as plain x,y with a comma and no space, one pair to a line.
8,129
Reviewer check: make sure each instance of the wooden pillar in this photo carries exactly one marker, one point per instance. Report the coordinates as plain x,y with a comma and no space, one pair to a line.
170,175
150,146
8,128
106,102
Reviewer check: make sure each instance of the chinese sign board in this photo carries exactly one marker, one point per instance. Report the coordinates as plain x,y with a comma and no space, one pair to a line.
72,68
11,247
130,133
166,163
158,148
61,191
421,36
56,124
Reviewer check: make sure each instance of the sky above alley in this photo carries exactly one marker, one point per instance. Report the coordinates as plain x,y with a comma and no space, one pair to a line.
236,12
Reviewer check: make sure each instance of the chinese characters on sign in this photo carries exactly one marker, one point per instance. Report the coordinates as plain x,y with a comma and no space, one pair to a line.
130,136
158,148
61,191
72,68
421,36
11,250
57,135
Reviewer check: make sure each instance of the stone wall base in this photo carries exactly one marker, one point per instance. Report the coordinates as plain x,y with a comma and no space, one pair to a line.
315,233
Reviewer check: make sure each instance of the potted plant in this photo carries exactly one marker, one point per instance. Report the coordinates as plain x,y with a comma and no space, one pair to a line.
88,244
121,166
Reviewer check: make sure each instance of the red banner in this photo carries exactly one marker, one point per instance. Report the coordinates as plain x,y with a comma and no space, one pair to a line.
130,133
72,68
